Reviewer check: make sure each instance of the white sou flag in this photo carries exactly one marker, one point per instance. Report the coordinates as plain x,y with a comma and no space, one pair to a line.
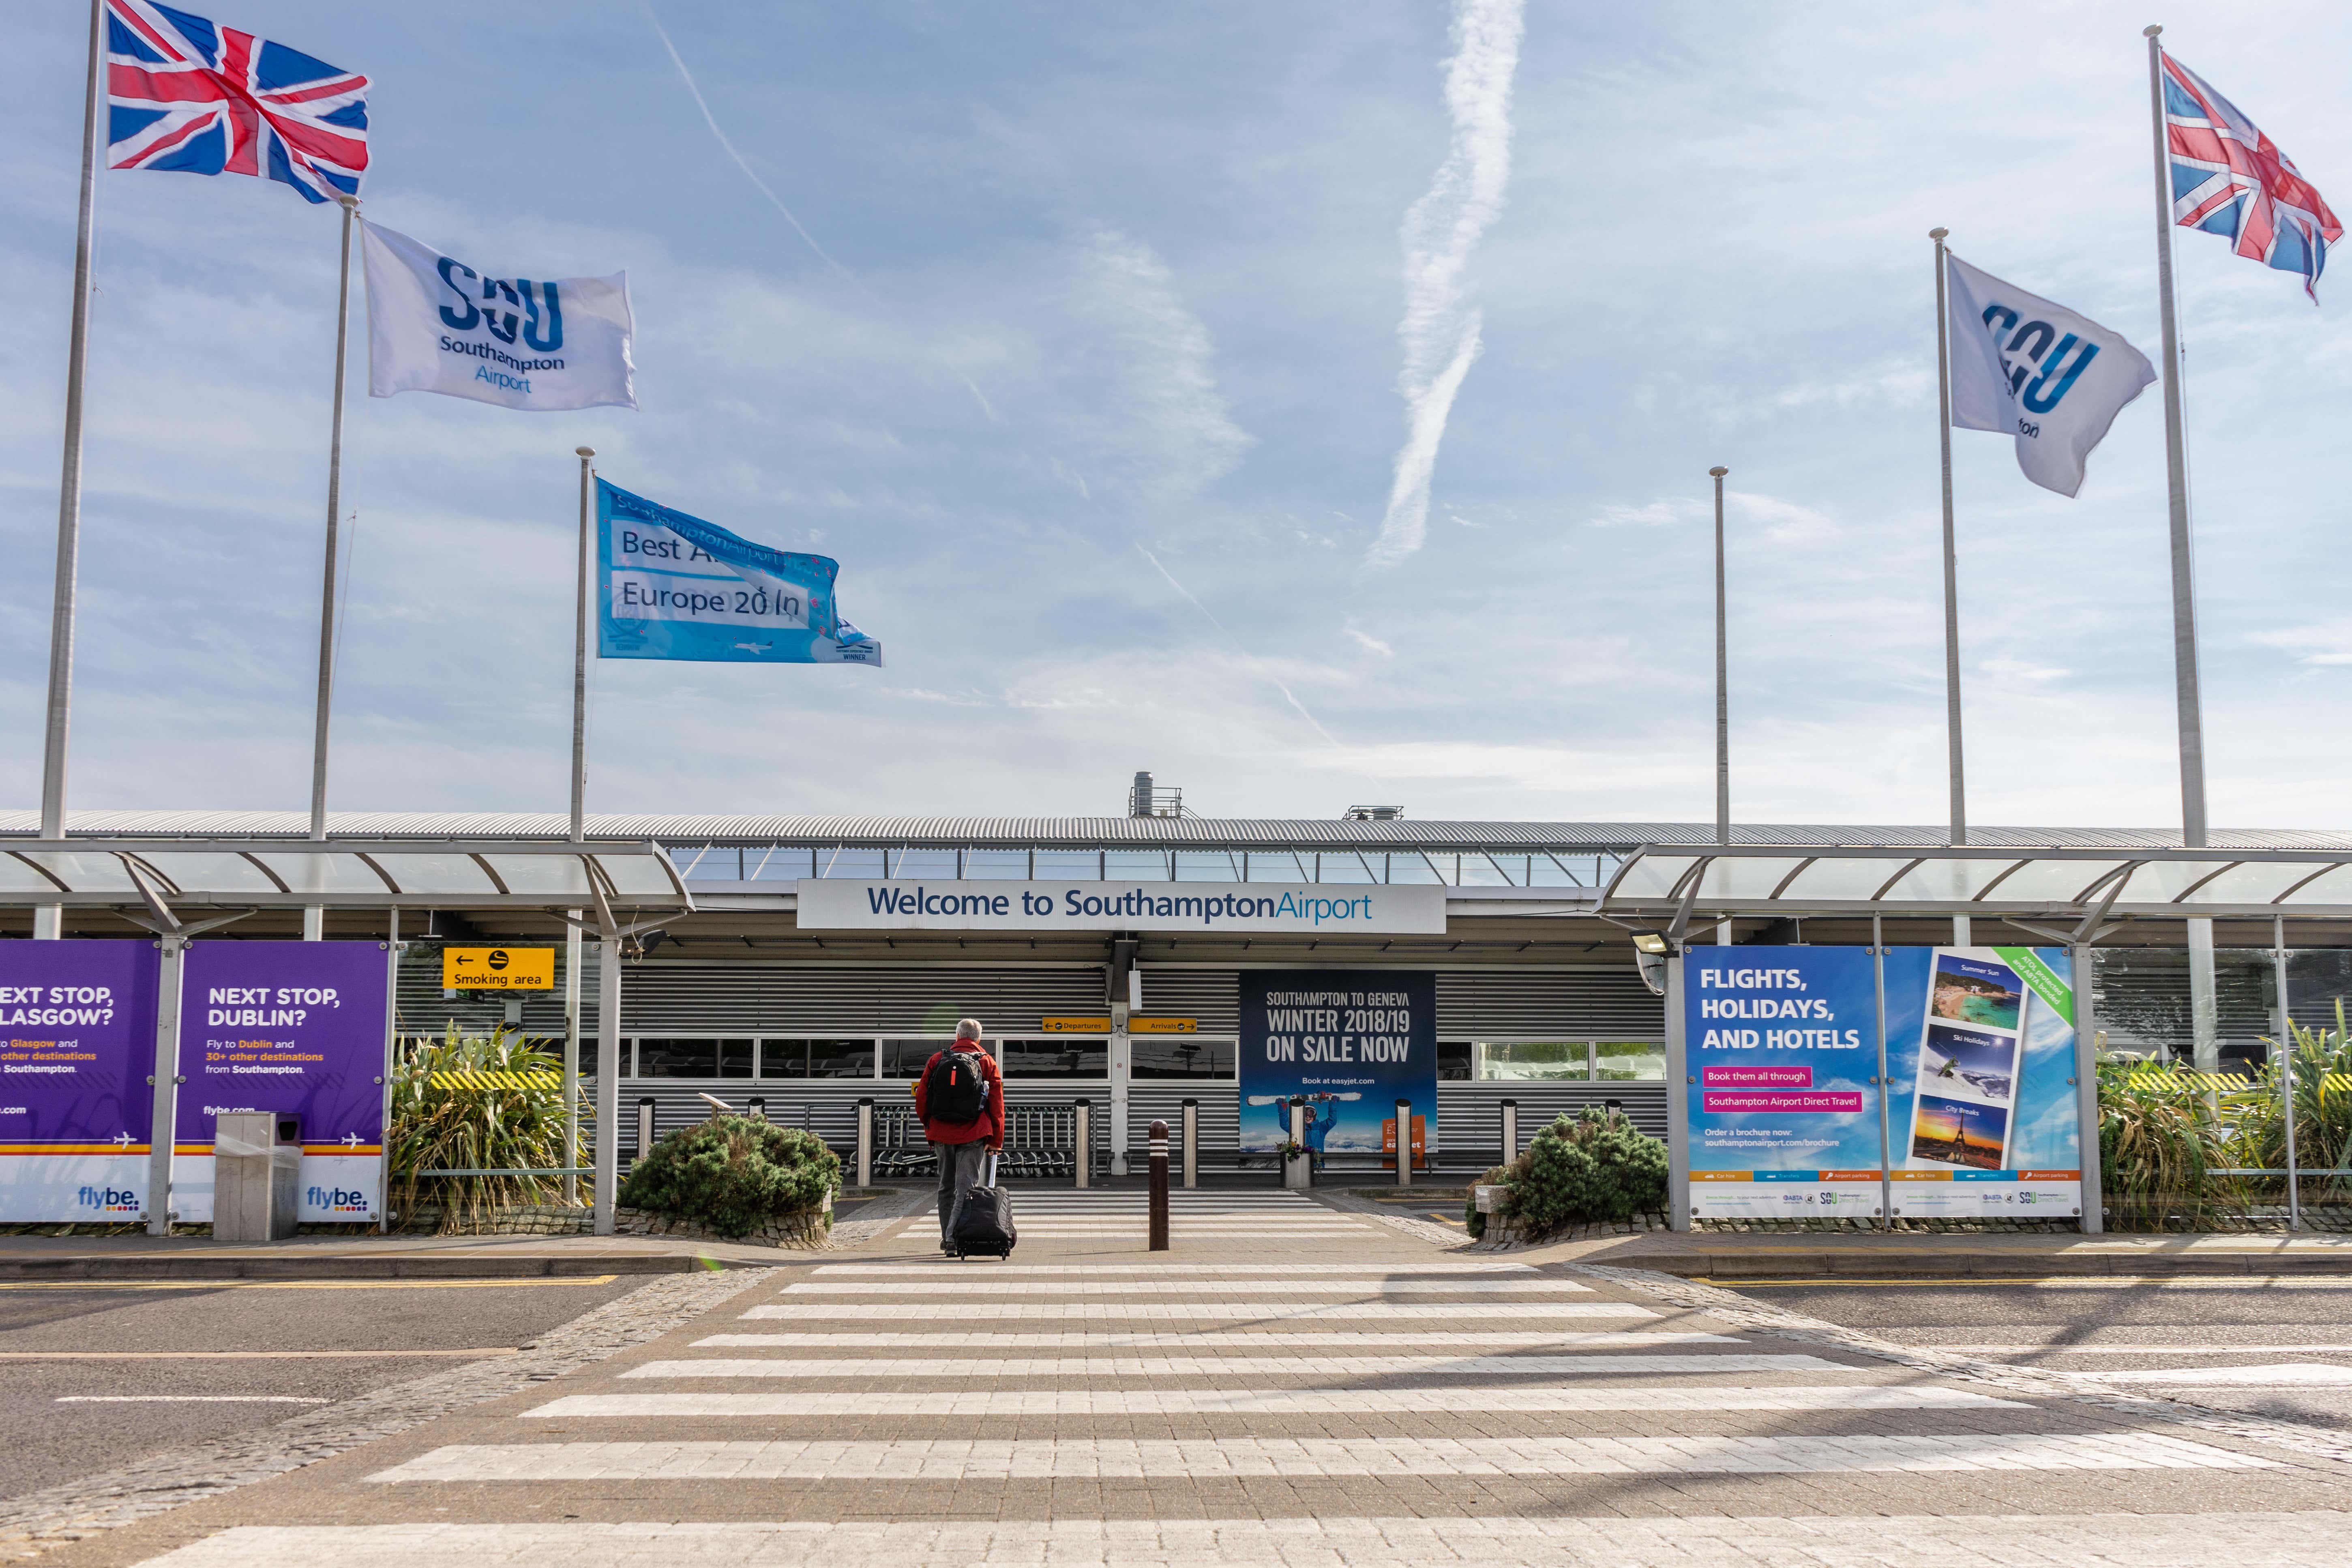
435,324
2023,366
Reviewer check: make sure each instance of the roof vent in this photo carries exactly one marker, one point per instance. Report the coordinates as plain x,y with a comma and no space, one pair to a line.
1372,814
1143,800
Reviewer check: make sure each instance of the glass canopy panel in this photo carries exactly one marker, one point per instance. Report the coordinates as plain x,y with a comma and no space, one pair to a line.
1208,866
436,873
1651,877
1010,864
324,873
533,874
1068,866
83,873
2334,887
2162,882
1838,879
1348,866
16,877
1477,870
1744,879
212,873
1137,865
862,864
2247,885
707,863
634,876
2048,882
933,865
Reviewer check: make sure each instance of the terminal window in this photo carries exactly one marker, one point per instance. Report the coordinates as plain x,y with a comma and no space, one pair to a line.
1180,1056
1058,1057
693,1058
817,1059
1624,1059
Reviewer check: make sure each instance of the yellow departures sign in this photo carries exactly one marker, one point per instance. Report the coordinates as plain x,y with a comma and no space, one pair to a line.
497,969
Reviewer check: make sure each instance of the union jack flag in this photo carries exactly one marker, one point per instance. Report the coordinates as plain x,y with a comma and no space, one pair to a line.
2230,179
185,94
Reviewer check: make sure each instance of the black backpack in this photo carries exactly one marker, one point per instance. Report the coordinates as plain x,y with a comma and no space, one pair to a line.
954,1088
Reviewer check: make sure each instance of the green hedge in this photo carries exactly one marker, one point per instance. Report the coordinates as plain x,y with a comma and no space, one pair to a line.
734,1174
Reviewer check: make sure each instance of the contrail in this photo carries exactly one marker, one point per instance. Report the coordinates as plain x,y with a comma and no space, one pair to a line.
1440,331
776,201
1271,679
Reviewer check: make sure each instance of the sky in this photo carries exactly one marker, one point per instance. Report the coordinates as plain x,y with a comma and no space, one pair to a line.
1311,403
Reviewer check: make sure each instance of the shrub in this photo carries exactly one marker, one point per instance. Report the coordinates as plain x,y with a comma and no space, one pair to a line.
1597,1168
2160,1142
2323,1108
734,1174
475,1102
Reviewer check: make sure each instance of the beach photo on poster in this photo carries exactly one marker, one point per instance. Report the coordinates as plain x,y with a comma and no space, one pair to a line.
1970,991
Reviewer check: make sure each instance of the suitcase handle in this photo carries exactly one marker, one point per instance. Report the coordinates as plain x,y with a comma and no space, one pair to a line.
988,1178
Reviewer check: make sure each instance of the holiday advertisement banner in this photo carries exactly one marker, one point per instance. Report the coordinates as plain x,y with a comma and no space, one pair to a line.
77,1046
1780,1046
1352,1042
294,1029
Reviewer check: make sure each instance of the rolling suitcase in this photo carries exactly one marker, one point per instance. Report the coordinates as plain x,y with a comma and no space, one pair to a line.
983,1223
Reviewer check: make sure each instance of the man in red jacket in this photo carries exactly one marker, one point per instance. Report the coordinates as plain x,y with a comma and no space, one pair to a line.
960,1098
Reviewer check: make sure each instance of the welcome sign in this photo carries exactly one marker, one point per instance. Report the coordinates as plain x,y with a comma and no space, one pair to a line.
846,904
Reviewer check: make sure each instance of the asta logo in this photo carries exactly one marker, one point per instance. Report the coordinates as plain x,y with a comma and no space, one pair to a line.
542,324
109,1200
2039,355
339,1200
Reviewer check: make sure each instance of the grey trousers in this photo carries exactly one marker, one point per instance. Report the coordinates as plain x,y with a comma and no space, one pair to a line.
959,1168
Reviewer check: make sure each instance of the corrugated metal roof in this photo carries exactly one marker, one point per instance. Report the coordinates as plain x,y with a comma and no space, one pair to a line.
1127,832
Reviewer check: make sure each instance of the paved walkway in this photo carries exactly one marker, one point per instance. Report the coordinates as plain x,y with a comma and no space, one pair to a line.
1293,1382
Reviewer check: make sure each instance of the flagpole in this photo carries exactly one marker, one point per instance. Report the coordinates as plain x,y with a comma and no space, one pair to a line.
48,920
314,917
1953,757
2204,1021
579,651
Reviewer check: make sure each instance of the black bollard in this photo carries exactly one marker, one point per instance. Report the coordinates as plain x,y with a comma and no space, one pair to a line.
1160,1186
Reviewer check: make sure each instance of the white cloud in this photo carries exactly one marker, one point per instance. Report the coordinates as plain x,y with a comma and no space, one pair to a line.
1441,331
1782,521
1371,644
1169,380
2320,646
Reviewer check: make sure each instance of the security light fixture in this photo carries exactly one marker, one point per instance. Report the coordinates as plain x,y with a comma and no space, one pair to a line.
1652,942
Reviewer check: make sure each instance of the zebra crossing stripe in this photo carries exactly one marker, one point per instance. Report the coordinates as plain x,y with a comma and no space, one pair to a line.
1290,1458
949,1368
1212,1338
1095,1270
980,1405
1323,1287
1228,1312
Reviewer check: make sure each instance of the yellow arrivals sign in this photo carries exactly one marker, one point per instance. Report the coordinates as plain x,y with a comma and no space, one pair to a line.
1163,1026
497,969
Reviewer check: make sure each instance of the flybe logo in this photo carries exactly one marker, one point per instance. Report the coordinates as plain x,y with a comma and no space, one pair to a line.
109,1200
336,1200
2035,346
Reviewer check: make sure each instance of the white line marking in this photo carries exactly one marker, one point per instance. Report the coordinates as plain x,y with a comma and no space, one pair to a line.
2312,1539
954,1366
2120,1349
968,1288
2279,1375
185,1399
1229,1311
1290,1458
1202,1340
982,1405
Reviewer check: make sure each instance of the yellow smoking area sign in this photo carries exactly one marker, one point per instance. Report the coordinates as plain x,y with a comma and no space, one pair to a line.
497,969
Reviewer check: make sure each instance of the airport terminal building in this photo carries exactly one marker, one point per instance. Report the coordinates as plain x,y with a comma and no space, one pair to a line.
810,963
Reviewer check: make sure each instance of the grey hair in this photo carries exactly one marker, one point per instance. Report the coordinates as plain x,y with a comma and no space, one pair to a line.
967,1029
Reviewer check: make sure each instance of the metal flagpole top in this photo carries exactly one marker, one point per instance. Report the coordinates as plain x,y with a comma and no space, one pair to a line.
584,451
1938,234
1718,473
2150,32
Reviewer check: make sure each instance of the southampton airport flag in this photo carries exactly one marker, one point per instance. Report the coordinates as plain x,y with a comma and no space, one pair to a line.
673,586
435,324
2038,372
185,95
2230,179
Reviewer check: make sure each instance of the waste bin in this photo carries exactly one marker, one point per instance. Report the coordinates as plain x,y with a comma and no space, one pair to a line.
257,1175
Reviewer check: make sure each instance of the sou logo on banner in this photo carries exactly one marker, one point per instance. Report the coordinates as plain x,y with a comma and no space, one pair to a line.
435,324
673,586
2053,379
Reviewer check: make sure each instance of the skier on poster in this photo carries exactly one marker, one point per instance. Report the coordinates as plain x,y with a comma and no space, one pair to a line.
1318,1126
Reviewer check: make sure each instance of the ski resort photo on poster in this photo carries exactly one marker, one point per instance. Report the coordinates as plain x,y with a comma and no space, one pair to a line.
1974,1063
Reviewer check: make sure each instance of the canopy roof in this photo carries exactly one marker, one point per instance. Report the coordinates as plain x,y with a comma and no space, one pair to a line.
427,873
1667,882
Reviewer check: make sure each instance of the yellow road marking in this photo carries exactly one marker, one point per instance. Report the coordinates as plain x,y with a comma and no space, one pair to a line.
300,1284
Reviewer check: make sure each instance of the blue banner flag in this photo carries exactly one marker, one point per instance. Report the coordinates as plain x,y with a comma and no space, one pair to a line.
673,586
